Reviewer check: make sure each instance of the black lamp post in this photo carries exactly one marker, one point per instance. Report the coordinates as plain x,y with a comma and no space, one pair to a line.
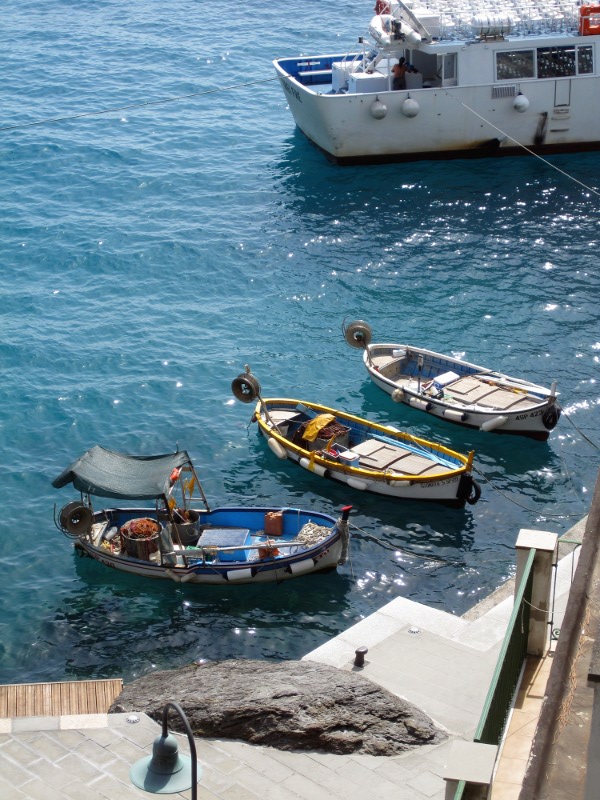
165,771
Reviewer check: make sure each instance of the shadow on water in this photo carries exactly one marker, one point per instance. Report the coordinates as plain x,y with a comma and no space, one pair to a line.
118,624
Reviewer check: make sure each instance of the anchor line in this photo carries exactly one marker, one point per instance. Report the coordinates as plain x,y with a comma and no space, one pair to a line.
580,432
520,505
406,552
524,147
134,105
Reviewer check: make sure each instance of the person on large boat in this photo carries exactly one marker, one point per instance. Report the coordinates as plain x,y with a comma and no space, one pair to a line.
399,71
382,7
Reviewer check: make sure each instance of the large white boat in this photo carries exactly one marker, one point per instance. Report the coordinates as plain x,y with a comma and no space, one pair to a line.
481,78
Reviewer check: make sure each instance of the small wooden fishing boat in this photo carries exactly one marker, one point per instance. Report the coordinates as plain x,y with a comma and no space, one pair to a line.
364,455
174,541
456,390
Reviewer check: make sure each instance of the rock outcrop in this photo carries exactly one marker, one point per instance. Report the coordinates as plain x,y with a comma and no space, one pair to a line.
290,705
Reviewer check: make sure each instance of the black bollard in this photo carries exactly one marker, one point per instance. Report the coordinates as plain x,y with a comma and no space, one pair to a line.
360,653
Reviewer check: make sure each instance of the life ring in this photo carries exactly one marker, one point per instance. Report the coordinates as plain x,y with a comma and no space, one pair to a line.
589,20
174,476
358,334
476,492
245,388
551,416
75,518
382,7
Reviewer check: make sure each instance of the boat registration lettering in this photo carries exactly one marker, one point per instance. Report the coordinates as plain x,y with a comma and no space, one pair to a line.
291,90
530,415
435,484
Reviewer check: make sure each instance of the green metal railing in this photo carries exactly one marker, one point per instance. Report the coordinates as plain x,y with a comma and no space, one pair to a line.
508,669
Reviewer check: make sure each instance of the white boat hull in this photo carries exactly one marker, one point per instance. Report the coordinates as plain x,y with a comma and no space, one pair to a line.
500,85
268,572
440,491
535,414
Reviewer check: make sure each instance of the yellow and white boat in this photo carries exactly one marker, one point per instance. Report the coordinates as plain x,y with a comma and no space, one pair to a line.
364,455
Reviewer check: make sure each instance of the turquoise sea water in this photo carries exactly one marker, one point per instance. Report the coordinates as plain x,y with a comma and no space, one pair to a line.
149,253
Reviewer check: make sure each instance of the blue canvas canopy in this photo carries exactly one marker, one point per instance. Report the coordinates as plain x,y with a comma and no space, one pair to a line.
104,473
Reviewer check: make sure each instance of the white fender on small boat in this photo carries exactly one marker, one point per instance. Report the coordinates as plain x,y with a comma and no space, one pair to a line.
398,395
520,103
356,483
416,402
317,468
300,567
378,109
239,574
458,416
173,575
410,108
494,423
277,448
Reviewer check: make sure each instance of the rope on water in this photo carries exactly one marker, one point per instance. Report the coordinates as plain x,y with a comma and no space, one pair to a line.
579,431
520,505
527,149
130,106
437,560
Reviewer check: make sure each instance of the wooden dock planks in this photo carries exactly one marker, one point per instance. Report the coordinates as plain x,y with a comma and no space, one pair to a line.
56,699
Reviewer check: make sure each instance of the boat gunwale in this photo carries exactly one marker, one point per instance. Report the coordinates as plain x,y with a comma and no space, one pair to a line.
463,467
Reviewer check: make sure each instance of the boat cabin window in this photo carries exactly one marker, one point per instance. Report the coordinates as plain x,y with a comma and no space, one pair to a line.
514,64
544,62
447,69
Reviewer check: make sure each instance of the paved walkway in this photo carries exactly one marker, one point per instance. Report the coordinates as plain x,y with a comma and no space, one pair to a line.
441,663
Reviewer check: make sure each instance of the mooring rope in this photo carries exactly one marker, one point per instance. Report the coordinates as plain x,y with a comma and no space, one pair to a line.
524,147
130,106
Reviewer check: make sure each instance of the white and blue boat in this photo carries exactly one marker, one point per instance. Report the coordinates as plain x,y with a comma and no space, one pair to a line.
481,78
454,390
173,540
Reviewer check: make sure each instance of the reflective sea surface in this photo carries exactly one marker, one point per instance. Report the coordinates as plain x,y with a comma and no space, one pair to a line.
150,252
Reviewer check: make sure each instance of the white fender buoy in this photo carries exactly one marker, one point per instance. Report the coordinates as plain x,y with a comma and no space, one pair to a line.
173,575
378,109
520,103
239,574
458,416
398,395
301,567
492,424
355,483
277,448
416,402
410,108
317,468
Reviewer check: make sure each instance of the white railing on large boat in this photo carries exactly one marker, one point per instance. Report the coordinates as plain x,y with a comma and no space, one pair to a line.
468,19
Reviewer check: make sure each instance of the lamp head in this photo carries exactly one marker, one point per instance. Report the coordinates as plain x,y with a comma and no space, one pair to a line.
165,771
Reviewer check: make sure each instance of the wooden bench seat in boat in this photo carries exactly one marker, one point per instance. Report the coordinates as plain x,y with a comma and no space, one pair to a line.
378,455
472,390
